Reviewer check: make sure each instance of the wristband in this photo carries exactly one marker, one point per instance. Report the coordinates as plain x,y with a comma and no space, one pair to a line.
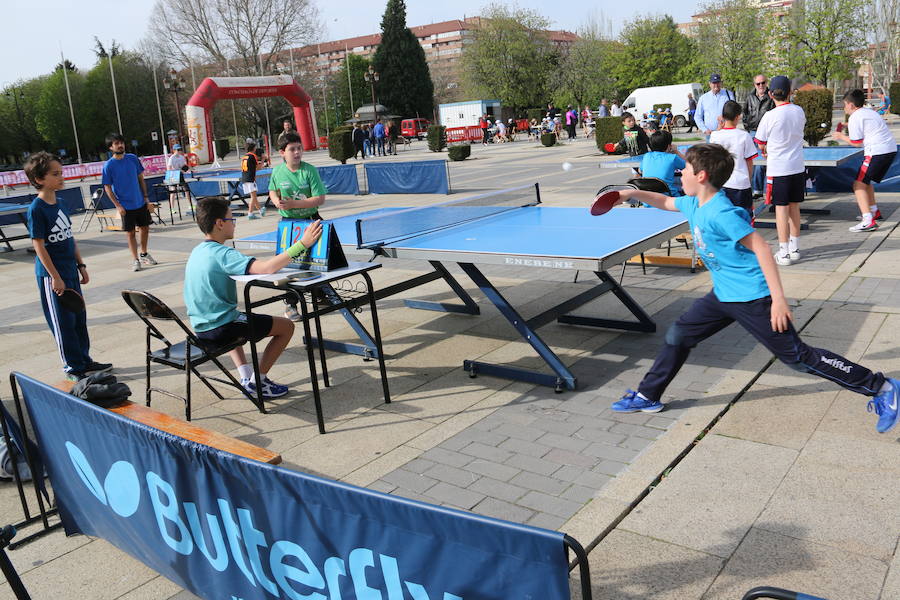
296,250
80,266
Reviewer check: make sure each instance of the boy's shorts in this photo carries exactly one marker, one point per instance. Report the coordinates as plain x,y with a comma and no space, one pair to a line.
874,168
249,187
138,217
237,329
785,189
741,199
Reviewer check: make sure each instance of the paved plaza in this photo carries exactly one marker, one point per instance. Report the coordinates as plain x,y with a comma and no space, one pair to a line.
753,475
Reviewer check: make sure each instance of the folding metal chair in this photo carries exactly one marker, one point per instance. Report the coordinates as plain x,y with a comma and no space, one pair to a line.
185,356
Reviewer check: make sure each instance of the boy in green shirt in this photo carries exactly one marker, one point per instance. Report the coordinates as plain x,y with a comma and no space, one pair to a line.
296,189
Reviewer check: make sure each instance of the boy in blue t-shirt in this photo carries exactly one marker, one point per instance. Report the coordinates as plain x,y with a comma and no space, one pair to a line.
58,266
746,289
662,160
210,293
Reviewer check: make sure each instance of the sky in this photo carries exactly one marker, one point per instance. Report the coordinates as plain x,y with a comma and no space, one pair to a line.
73,25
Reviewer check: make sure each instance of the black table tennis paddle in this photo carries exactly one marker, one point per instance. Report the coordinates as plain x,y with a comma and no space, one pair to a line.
71,300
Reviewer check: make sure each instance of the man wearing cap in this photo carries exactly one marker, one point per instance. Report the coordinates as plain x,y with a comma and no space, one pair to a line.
709,107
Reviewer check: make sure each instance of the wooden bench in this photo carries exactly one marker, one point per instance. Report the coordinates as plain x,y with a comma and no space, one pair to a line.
183,429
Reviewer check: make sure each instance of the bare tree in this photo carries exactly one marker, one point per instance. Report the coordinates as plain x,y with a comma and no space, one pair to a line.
247,33
883,17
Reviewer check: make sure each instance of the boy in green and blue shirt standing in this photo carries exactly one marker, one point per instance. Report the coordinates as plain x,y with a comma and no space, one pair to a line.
296,189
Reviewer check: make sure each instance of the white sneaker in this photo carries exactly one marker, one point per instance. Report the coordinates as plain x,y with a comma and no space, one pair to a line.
136,265
784,260
794,255
252,216
864,226
290,312
146,259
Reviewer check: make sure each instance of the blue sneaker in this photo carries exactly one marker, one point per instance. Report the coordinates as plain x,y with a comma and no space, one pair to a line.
270,389
631,402
885,406
262,211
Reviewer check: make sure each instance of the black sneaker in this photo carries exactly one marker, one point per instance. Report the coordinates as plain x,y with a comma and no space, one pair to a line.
97,367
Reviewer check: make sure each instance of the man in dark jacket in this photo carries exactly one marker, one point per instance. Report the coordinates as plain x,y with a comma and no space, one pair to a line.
755,106
359,139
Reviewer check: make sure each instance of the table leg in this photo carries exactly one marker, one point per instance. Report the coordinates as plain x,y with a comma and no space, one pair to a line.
311,359
319,337
376,329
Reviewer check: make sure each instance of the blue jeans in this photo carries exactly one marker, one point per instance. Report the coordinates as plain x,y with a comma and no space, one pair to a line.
379,142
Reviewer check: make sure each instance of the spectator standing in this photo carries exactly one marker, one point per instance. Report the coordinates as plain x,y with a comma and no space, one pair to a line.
249,163
484,124
287,127
756,105
378,132
552,111
571,121
177,162
615,110
692,109
603,110
359,141
123,181
709,108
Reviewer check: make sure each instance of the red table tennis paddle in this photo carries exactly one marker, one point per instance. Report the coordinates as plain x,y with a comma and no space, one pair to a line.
604,203
609,147
839,128
71,300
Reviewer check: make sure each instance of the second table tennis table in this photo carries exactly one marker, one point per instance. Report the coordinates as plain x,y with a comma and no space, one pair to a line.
473,232
19,210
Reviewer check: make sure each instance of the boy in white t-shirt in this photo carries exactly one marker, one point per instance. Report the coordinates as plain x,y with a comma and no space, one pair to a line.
780,139
742,149
866,128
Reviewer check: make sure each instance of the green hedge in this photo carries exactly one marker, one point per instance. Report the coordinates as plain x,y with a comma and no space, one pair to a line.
459,152
548,139
894,92
608,131
817,104
437,138
340,144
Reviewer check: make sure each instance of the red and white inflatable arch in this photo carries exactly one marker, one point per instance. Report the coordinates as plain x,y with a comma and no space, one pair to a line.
198,111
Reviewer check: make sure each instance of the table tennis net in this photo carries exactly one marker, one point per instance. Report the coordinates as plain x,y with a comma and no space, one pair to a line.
404,224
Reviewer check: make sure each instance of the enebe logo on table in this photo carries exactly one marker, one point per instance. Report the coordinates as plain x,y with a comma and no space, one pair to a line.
233,538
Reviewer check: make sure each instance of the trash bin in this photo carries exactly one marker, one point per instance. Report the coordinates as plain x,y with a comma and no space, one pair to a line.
223,147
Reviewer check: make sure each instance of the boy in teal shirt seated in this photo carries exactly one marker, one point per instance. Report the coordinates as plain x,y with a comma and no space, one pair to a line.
296,188
210,293
746,288
662,160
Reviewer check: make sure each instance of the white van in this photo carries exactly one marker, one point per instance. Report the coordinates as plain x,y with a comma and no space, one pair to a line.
642,100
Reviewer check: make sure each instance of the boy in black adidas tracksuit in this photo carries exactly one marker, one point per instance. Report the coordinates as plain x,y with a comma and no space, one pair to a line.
58,266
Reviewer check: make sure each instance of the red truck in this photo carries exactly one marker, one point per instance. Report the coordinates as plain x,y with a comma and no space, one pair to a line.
414,128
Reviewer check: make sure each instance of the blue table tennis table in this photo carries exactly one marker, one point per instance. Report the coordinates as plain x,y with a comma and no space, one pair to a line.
516,232
813,156
233,178
18,210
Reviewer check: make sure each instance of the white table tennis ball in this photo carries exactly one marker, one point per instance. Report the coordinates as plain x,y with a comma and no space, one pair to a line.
567,166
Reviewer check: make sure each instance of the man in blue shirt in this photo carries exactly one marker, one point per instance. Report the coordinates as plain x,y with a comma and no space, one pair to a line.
123,180
379,137
709,107
746,288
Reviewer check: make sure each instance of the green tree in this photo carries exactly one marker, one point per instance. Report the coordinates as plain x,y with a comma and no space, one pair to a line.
729,38
52,116
653,52
825,35
137,103
357,67
510,58
584,76
405,83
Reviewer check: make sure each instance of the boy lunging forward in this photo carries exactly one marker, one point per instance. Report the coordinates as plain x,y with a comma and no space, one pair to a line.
746,288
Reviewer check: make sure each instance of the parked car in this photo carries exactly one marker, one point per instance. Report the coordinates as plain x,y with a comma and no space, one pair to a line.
414,128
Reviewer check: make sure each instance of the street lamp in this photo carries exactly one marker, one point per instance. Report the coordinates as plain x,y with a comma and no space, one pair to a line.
172,82
371,77
14,95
